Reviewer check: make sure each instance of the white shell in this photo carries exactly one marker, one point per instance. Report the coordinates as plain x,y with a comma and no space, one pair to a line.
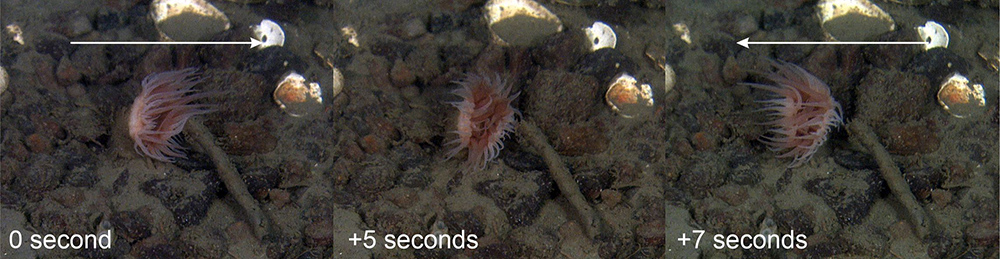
296,97
628,98
520,22
269,33
960,99
934,34
600,36
187,20
3,80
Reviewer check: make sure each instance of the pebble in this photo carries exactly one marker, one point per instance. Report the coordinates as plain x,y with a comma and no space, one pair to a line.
911,138
937,63
247,138
651,233
703,141
66,72
892,96
551,91
401,74
413,28
131,225
319,233
982,233
38,143
850,198
580,140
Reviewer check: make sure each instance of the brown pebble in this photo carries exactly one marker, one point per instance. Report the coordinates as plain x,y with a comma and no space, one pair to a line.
982,233
372,144
732,72
279,197
247,138
703,141
580,140
611,197
401,74
941,197
38,143
651,233
731,193
66,72
910,139
319,233
48,127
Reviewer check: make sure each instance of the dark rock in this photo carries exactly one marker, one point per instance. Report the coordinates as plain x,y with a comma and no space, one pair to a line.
272,63
851,197
936,64
43,175
892,56
922,181
187,197
374,178
520,160
604,64
789,220
464,220
560,51
744,169
592,182
260,180
520,194
854,160
131,225
706,173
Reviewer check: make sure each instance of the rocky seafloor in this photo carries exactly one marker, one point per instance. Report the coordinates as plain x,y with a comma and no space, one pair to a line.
372,157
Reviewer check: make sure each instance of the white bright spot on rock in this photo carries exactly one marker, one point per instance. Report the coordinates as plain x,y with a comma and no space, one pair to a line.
269,33
600,36
934,34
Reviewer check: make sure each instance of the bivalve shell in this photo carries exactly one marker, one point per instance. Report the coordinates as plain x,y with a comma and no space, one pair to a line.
934,34
600,36
297,97
959,98
269,33
628,98
853,20
520,22
187,20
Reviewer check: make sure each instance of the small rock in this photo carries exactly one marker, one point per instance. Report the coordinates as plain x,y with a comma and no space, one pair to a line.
372,144
319,233
892,96
982,233
580,140
703,141
247,138
38,143
910,138
413,28
401,74
850,197
131,225
66,73
651,233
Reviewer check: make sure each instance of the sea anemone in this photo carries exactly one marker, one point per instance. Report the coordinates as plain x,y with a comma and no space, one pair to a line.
804,113
485,117
161,110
